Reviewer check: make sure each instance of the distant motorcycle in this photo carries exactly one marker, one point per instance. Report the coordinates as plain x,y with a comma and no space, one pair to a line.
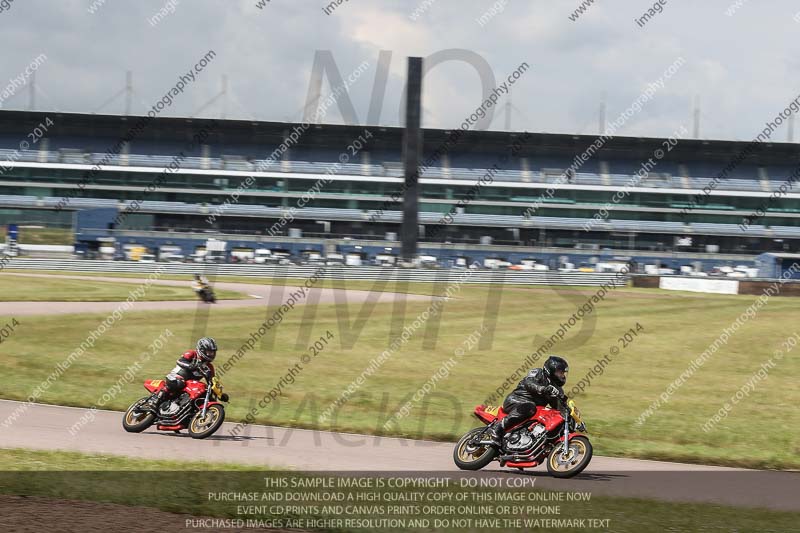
550,435
205,292
197,409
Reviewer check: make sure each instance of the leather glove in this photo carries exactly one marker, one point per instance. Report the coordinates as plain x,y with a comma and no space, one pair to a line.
554,392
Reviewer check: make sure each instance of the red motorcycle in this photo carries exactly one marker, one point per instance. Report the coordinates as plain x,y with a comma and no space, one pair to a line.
197,409
550,434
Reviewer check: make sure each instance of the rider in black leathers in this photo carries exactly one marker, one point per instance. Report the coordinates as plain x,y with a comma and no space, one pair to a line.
542,386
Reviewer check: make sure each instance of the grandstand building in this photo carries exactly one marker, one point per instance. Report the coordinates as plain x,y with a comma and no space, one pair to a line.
334,187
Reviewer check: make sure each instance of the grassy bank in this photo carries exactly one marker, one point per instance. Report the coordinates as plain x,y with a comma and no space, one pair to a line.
26,289
38,235
675,329
426,289
114,479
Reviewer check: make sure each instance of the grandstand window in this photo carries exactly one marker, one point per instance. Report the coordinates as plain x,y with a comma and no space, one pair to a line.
340,188
437,191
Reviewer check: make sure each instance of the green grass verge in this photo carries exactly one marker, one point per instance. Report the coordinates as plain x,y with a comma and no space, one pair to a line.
81,477
55,236
26,289
677,328
425,289
24,460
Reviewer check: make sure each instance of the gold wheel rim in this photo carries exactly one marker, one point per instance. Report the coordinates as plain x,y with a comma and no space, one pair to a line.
130,418
210,419
466,456
575,457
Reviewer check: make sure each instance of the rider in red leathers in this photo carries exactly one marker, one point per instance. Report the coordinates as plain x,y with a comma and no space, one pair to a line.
192,365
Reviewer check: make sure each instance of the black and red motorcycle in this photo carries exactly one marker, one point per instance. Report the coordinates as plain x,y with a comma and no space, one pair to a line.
551,435
197,409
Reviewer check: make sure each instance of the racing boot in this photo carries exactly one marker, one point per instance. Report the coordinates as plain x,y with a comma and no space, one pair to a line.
494,437
155,401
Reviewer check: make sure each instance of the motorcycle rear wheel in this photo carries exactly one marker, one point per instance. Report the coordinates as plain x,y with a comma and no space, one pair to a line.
471,457
580,453
136,423
200,428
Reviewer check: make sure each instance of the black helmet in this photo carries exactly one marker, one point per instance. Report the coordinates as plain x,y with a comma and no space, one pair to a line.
556,369
207,349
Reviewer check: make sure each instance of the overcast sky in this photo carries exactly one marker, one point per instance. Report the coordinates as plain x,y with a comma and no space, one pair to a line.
741,68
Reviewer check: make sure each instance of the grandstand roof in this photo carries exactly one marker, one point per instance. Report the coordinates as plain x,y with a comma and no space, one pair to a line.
779,255
332,135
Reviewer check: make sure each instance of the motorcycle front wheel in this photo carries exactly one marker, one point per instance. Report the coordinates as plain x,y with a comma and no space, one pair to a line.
201,427
136,422
469,456
577,458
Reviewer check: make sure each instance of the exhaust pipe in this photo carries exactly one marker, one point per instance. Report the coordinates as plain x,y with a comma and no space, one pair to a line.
517,458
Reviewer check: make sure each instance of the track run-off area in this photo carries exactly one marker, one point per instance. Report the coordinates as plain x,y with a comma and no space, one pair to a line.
46,427
257,296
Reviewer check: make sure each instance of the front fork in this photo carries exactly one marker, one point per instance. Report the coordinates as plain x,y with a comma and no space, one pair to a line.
565,449
205,405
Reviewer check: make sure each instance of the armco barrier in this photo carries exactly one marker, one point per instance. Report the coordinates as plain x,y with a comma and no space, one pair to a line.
331,272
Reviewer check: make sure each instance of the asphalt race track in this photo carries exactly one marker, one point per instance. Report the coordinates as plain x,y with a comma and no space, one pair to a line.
261,296
45,427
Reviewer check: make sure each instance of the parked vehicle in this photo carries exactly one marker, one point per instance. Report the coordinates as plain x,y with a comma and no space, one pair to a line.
263,256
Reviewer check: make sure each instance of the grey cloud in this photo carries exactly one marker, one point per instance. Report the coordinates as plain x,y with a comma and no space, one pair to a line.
742,68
